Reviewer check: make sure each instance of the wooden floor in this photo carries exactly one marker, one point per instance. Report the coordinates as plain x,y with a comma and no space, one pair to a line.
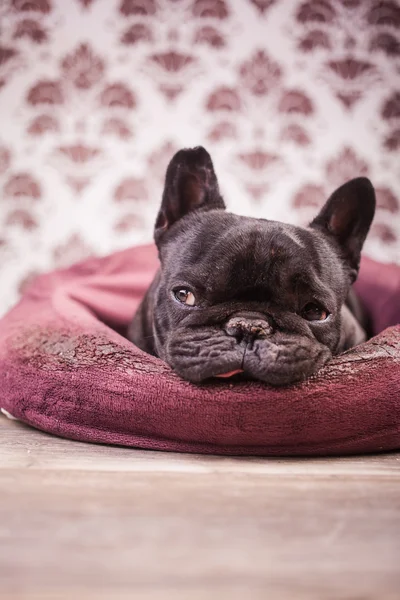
82,521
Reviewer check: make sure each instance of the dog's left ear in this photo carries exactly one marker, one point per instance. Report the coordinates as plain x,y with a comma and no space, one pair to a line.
346,217
190,184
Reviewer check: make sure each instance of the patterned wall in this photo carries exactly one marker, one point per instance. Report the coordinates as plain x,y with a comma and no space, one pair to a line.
291,98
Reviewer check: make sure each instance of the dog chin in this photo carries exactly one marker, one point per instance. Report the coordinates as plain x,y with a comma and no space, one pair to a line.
279,361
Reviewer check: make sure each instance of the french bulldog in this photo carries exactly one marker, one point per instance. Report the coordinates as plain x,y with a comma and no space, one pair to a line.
243,295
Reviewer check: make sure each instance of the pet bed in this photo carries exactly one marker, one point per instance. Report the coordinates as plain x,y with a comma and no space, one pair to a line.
66,368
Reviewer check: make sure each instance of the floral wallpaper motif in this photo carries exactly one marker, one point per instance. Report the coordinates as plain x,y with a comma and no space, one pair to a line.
291,98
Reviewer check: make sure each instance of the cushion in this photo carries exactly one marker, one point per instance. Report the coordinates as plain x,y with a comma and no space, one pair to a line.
66,368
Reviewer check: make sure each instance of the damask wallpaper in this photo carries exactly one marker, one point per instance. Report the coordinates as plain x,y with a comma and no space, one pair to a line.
291,98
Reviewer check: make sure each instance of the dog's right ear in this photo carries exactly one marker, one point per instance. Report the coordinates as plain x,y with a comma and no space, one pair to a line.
346,218
190,185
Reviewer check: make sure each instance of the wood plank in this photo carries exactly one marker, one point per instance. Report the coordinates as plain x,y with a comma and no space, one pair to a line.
86,521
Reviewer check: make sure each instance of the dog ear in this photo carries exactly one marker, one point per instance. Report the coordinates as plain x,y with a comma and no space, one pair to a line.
190,184
346,217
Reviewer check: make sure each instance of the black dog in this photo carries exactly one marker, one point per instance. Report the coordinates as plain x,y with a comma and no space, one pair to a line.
236,294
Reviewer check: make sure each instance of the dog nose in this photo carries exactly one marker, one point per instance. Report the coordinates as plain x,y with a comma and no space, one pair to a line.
248,327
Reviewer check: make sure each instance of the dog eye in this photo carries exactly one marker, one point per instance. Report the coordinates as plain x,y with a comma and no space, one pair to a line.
185,296
314,312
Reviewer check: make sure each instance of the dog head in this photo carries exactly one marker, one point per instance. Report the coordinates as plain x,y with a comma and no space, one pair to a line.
238,294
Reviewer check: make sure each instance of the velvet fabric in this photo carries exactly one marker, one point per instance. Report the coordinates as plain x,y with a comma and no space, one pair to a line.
66,368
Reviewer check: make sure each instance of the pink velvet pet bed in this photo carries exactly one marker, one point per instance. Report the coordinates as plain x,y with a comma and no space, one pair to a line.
65,369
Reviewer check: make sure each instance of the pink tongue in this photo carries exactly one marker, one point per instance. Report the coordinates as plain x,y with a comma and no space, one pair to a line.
230,374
